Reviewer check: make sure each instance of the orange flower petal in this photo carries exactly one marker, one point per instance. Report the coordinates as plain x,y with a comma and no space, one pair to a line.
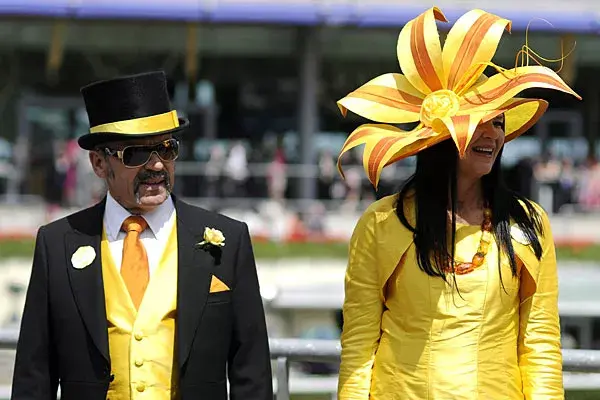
382,142
460,128
389,98
365,133
503,86
428,139
520,115
420,52
378,153
472,40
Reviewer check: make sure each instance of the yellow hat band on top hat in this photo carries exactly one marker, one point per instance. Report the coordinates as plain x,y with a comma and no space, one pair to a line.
140,126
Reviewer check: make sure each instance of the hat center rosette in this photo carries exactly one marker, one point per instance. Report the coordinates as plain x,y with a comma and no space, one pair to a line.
439,104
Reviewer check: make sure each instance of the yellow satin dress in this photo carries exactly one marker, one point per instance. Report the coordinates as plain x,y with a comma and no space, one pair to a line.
409,336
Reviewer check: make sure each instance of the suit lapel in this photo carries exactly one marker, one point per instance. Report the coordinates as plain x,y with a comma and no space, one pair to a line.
87,283
193,279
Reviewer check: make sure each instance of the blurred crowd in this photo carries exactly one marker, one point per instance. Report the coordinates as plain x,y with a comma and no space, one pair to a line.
573,185
232,170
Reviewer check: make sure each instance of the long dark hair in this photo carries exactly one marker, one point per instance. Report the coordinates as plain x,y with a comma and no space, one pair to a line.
434,186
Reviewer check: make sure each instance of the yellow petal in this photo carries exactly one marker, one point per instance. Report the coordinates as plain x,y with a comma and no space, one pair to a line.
428,139
379,152
472,40
460,128
381,143
389,98
365,133
420,52
500,88
521,114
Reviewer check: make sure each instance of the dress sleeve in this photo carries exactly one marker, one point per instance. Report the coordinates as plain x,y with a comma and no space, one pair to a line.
540,357
362,311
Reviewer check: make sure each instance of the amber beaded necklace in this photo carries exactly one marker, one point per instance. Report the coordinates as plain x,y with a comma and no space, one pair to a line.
461,268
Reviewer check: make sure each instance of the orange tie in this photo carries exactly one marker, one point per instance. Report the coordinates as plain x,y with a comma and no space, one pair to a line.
134,267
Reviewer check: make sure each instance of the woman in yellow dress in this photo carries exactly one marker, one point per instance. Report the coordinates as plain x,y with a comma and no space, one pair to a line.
451,285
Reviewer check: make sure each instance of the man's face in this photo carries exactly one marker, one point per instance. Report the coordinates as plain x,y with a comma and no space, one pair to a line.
145,185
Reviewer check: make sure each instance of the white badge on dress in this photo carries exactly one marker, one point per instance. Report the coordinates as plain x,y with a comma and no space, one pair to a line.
518,235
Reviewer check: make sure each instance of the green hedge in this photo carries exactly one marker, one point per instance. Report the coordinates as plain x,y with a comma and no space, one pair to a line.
270,250
582,395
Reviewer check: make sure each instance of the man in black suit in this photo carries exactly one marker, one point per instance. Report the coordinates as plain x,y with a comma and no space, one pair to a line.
142,295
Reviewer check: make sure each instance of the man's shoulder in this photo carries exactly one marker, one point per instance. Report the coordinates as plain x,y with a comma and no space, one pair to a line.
78,220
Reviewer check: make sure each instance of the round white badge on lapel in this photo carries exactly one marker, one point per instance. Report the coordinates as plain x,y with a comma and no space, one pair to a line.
518,235
83,257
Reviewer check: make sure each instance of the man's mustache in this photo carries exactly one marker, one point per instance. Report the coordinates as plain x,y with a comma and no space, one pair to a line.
146,175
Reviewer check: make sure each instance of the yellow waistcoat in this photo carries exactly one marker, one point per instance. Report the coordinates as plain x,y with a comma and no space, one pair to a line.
141,342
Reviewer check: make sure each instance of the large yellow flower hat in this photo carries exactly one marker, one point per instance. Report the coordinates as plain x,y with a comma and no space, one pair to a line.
445,90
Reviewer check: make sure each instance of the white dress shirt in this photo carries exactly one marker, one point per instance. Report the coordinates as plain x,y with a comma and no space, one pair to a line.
154,238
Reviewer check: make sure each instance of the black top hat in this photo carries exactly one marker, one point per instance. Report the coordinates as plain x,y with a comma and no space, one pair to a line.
129,107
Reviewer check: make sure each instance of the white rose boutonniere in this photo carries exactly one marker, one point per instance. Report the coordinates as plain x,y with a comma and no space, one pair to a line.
83,257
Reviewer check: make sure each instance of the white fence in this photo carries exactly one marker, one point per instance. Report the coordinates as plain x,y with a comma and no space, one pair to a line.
582,367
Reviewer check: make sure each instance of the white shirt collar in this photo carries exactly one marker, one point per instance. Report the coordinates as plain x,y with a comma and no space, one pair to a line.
115,214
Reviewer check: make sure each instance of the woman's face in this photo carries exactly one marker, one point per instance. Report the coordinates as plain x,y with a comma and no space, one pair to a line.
481,154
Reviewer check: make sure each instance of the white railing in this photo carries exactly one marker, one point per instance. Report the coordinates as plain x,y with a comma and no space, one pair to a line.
582,367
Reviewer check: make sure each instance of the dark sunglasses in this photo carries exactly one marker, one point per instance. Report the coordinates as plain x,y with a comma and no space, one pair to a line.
137,155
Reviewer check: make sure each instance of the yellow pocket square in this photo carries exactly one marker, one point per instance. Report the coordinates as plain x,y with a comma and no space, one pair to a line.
216,285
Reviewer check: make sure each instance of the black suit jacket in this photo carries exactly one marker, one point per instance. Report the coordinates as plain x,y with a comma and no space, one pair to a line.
219,336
